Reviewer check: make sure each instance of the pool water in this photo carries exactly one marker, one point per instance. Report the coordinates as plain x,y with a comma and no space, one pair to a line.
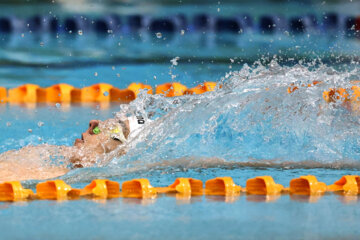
236,133
250,127
330,217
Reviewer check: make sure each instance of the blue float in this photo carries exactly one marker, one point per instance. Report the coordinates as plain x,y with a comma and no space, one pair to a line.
267,25
297,25
5,25
227,25
163,25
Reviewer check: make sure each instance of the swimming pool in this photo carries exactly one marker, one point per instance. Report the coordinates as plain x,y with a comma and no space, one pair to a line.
250,127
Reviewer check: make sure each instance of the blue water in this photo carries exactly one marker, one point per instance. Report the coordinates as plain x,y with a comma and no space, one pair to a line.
234,132
251,127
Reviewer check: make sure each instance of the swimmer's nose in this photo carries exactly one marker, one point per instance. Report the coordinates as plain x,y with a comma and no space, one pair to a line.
92,124
78,141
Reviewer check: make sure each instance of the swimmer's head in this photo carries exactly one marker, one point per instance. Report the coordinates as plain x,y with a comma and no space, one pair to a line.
104,136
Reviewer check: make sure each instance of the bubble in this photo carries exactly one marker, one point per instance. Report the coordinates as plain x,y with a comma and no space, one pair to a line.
106,93
182,32
30,130
95,74
57,105
22,35
159,35
41,44
8,124
40,124
80,32
118,74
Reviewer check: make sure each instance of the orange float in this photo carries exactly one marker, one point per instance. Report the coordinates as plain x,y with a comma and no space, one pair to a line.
223,186
293,87
3,95
264,185
102,188
24,94
171,89
138,188
186,186
56,93
53,190
137,87
122,95
96,93
201,88
347,184
307,185
13,191
335,94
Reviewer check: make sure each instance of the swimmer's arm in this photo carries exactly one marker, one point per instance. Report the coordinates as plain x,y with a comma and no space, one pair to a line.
33,162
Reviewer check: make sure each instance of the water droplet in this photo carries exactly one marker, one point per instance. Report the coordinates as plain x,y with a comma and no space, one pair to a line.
159,35
174,61
57,105
30,130
80,32
40,124
8,124
106,93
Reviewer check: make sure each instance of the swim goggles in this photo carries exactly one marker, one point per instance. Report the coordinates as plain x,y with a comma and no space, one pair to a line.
115,133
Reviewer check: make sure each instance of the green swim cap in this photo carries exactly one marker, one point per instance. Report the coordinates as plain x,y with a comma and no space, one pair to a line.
96,130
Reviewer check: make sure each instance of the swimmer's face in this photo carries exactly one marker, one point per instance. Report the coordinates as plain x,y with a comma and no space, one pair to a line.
103,136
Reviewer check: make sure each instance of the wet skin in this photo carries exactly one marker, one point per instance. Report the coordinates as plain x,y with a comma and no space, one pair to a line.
91,145
49,161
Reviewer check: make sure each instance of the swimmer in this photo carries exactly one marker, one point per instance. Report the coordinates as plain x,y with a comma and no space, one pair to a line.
42,161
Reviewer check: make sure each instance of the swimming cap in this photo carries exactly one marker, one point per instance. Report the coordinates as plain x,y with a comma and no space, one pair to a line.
117,134
136,123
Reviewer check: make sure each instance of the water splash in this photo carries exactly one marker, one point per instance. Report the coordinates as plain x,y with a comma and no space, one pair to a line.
252,118
250,121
